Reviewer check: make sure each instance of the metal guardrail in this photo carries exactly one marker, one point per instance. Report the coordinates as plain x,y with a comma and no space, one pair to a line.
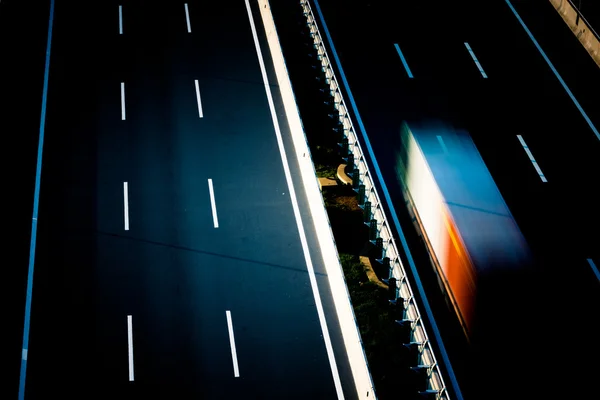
581,17
381,234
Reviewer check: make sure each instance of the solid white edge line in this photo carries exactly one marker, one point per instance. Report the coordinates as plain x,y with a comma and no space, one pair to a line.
236,369
187,18
130,346
200,113
296,208
120,20
126,204
477,63
122,101
532,159
213,203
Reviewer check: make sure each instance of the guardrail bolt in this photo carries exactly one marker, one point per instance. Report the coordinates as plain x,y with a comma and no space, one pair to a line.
367,211
361,195
373,230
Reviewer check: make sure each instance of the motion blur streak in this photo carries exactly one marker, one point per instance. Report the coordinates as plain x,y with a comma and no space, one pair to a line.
466,223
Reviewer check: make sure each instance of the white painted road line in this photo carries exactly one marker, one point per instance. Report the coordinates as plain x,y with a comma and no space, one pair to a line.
130,346
122,101
594,268
187,18
410,75
475,59
236,369
288,177
441,140
535,164
200,113
120,20
213,203
126,204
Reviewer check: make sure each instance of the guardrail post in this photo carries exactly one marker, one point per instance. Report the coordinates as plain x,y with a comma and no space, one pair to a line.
421,377
344,148
382,251
321,77
373,230
350,161
338,129
397,308
367,212
378,248
415,351
386,265
404,330
392,288
361,195
355,178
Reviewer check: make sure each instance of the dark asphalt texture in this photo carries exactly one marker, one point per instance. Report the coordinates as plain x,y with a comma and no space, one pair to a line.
537,326
172,270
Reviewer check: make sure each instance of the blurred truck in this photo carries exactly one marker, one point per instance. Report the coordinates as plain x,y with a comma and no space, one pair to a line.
459,212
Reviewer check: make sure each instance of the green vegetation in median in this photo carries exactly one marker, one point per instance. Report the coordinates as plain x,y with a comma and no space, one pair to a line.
325,171
388,359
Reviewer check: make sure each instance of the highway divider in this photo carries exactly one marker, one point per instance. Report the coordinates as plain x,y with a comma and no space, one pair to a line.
580,27
374,216
345,313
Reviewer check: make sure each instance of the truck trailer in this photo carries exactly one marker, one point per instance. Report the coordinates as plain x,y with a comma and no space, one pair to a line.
458,211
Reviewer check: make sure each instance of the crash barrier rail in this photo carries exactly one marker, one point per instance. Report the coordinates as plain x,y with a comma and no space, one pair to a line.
402,300
581,17
581,28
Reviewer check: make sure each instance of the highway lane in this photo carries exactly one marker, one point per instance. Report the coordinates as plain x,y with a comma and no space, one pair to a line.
520,95
21,76
148,169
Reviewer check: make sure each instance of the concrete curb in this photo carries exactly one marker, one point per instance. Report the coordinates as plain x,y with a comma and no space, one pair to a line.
580,27
341,298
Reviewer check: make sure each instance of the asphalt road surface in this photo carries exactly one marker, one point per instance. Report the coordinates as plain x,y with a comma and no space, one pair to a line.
476,67
169,260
